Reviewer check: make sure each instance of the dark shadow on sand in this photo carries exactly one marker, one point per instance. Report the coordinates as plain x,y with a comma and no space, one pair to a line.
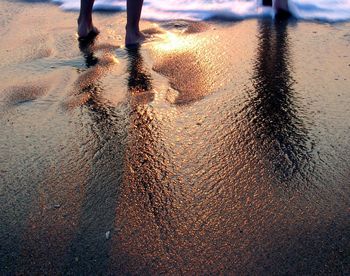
139,80
274,112
89,251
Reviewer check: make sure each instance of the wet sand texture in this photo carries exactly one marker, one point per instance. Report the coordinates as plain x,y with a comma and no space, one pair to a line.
217,148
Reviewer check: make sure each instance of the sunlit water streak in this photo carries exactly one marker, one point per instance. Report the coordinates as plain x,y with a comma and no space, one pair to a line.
324,10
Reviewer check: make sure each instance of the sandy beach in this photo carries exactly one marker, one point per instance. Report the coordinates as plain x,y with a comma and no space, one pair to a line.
217,147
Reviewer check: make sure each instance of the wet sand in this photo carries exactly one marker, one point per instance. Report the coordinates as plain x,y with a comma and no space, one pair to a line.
216,148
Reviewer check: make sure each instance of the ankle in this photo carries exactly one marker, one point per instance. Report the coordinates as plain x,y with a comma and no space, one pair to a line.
132,29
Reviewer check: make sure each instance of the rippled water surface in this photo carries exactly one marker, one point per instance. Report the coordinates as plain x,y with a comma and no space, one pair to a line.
217,148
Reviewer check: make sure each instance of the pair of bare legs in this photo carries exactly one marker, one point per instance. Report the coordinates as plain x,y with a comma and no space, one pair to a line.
133,35
134,7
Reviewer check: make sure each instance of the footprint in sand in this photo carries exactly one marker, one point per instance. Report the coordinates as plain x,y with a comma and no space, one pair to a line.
17,95
99,59
37,47
181,59
186,27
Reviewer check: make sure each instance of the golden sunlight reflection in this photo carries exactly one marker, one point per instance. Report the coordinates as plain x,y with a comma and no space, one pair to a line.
187,64
174,42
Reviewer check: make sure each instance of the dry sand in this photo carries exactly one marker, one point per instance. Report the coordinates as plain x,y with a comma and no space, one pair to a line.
218,147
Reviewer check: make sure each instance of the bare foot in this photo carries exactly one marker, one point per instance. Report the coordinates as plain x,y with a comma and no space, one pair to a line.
134,37
86,29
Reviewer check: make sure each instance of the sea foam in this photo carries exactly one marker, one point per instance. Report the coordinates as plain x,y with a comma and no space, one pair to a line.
322,10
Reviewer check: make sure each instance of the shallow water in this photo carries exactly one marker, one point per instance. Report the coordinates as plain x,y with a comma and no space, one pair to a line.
323,10
216,148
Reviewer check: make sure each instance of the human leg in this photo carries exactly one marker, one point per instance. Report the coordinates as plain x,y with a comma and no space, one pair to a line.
85,25
281,5
267,3
133,34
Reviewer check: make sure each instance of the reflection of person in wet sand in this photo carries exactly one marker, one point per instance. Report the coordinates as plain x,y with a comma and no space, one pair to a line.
86,28
275,109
